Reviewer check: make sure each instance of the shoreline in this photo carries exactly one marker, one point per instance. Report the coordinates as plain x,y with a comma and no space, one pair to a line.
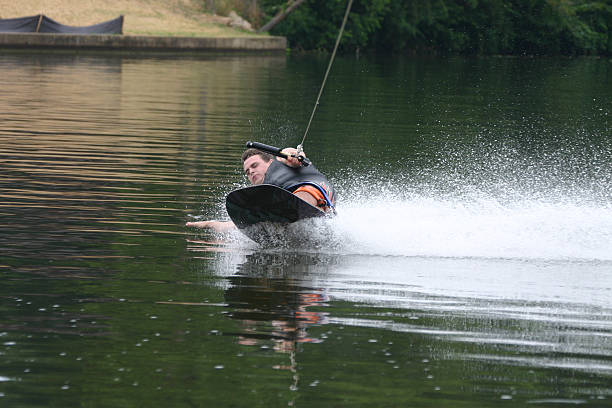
106,42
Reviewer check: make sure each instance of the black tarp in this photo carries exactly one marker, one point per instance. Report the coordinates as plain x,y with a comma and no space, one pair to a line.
114,26
43,24
19,25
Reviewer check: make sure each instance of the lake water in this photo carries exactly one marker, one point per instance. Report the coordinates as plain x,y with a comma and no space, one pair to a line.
470,264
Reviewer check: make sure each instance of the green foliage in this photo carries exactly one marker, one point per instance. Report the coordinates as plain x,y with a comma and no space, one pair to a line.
520,27
595,31
315,24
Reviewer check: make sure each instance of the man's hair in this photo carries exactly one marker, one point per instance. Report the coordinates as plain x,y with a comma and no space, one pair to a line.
254,152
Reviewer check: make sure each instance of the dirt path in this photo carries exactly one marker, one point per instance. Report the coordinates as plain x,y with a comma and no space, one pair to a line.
142,17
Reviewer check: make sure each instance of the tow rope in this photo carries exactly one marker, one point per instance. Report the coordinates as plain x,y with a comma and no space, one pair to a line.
331,60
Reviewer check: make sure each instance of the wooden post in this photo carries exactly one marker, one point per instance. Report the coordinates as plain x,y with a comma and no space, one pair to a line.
39,21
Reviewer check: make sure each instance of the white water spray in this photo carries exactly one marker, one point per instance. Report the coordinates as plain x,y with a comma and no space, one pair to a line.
475,227
488,201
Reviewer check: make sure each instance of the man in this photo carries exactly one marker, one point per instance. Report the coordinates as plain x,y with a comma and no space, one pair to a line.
306,182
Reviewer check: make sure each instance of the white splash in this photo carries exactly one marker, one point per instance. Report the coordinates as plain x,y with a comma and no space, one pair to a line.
477,226
488,200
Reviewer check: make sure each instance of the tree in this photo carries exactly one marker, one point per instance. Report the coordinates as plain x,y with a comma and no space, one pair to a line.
533,27
292,5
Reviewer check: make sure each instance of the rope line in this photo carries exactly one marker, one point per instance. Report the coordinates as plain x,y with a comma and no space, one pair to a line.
331,60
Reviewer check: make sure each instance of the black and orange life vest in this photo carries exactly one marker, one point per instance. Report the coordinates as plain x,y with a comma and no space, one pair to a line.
303,178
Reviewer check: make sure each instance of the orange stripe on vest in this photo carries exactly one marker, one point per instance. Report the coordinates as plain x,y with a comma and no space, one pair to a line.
313,191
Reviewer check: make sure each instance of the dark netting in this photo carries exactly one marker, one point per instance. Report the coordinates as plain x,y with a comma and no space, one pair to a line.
114,26
19,25
44,24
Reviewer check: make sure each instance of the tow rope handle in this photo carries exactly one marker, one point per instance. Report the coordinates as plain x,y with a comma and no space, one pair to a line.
276,152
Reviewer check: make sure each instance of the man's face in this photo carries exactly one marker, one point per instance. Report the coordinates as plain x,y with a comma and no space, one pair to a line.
255,169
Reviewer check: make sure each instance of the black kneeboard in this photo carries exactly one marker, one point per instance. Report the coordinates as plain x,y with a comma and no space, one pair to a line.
260,211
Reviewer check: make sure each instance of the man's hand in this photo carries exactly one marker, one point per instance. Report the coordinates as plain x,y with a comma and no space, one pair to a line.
292,161
218,226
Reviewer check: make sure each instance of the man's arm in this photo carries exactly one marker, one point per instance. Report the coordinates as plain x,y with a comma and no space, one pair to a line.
218,226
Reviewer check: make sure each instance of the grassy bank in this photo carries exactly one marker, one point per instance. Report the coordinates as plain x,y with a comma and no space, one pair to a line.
142,17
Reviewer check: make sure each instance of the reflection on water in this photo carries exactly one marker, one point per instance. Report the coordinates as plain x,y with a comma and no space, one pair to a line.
274,310
469,263
270,303
444,311
536,308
